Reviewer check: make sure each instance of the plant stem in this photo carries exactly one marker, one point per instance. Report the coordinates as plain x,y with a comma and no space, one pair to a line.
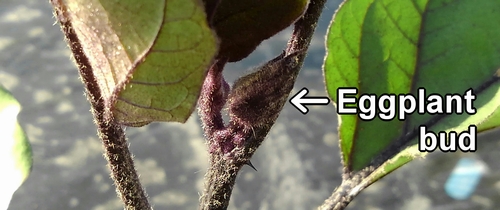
112,135
339,199
346,192
220,179
304,28
221,175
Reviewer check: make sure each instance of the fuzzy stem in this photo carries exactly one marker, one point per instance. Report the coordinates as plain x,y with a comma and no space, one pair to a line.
339,199
212,98
350,188
219,179
112,135
221,175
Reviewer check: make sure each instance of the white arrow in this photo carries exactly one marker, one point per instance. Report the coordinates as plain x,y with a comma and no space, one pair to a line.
298,100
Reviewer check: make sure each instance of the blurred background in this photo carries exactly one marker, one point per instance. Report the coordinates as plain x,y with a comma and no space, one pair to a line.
298,165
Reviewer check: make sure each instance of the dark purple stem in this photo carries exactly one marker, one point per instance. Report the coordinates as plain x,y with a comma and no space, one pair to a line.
212,99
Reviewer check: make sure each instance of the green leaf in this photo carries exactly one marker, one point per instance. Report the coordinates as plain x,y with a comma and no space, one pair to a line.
243,24
150,57
394,163
398,46
15,150
491,122
456,123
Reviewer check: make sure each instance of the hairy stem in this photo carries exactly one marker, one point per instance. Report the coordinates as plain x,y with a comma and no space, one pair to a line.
350,188
304,28
220,179
233,145
112,135
339,199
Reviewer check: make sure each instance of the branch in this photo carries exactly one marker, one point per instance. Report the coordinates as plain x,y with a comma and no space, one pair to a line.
254,105
353,185
350,188
112,135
